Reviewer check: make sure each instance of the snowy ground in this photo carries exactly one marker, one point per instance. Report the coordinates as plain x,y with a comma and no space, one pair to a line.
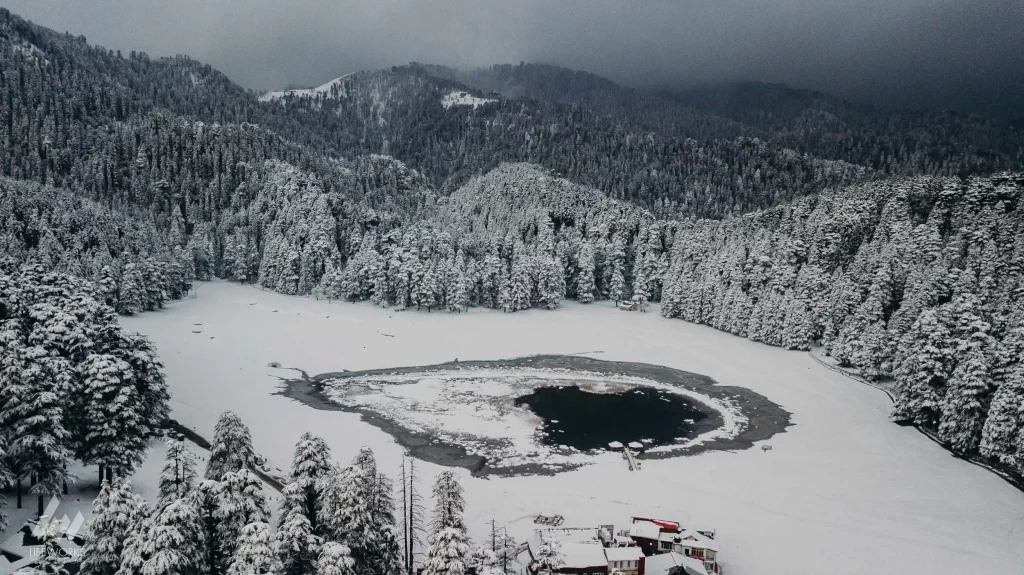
460,98
842,491
322,89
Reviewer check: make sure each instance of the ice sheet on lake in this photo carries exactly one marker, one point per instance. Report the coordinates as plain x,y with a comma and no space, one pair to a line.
474,408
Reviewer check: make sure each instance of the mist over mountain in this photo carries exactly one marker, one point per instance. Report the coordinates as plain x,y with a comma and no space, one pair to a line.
966,56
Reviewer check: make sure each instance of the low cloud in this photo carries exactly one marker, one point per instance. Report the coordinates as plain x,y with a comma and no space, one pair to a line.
938,53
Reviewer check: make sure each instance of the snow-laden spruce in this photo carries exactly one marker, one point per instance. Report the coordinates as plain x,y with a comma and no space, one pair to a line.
73,383
449,551
179,473
116,513
231,449
220,527
254,554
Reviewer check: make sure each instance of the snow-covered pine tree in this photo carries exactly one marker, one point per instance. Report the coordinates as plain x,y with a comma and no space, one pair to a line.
965,402
131,295
457,286
999,437
448,553
351,518
205,498
384,553
617,287
115,434
107,286
1003,423
139,352
425,293
232,447
176,541
381,292
505,548
112,523
329,287
335,559
366,460
296,546
504,298
586,289
519,280
551,284
138,543
348,281
241,501
179,472
549,556
254,554
924,370
34,384
310,466
796,329
484,562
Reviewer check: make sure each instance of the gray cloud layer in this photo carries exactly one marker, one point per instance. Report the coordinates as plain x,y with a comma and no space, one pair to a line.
963,54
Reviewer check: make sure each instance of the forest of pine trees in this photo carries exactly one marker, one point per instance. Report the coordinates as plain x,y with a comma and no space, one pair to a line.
916,280
73,384
333,520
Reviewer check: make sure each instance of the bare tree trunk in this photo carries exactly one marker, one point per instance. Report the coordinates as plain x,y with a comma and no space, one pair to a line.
412,531
412,515
494,536
18,489
405,520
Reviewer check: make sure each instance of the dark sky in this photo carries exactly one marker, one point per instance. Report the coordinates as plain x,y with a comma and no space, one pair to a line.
962,54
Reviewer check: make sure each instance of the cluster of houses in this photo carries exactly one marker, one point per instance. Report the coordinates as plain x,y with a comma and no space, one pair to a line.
646,547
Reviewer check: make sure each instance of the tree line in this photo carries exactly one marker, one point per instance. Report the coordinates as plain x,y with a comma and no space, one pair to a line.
333,519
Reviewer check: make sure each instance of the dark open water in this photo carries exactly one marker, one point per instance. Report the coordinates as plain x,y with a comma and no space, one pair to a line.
591,420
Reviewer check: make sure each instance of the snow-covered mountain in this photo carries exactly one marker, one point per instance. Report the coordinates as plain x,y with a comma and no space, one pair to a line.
329,89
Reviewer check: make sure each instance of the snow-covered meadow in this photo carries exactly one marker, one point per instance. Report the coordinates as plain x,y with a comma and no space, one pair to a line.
323,89
842,491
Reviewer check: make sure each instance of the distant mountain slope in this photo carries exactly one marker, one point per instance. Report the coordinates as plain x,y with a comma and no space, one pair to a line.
889,141
400,112
301,92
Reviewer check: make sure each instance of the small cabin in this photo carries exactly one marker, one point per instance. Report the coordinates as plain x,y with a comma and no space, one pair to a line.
657,536
626,560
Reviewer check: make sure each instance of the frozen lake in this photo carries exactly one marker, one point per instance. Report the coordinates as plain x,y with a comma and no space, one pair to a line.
842,491
474,414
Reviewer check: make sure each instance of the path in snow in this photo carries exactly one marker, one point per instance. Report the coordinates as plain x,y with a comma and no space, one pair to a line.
842,491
